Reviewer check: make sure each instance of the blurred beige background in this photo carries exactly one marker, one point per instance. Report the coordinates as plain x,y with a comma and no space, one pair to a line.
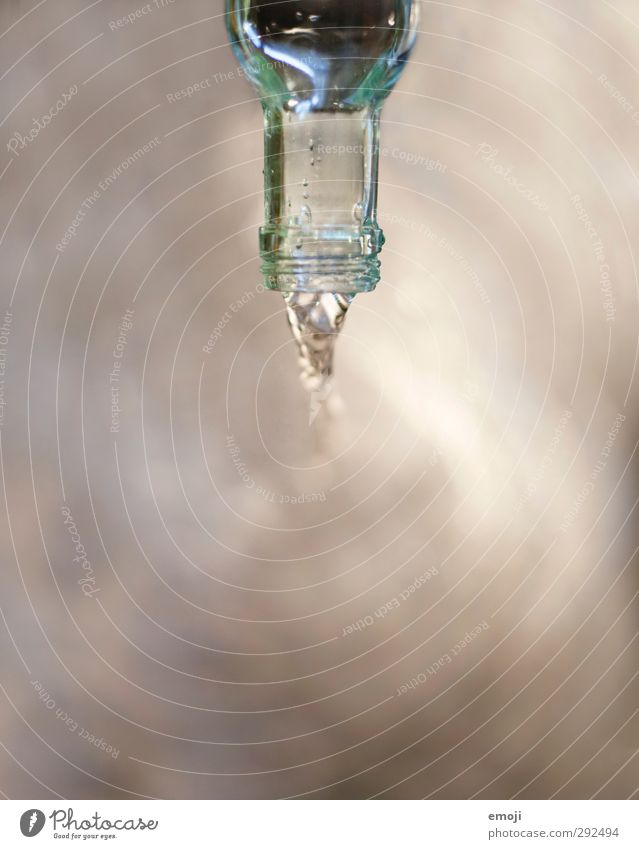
195,602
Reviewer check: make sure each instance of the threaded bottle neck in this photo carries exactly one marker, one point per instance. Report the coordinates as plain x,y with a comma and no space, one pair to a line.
320,176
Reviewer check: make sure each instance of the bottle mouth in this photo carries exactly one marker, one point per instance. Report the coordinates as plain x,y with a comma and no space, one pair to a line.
322,259
345,277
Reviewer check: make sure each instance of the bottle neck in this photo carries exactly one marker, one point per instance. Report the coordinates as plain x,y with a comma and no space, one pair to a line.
320,191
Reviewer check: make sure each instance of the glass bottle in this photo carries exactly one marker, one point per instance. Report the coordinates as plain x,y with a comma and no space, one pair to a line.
322,69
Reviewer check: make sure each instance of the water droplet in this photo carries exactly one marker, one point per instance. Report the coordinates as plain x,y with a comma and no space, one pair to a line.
311,144
305,182
358,212
299,16
391,19
306,216
314,18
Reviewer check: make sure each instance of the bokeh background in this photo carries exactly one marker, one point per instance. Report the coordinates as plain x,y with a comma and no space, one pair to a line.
197,598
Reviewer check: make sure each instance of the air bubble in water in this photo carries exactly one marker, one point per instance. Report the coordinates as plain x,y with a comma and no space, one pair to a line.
306,216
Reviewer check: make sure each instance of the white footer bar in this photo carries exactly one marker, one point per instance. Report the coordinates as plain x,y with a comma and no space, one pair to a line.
320,824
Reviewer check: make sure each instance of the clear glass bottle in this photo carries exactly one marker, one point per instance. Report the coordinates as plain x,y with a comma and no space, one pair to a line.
322,69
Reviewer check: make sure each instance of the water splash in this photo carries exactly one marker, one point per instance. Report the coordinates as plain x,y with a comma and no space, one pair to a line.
316,320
